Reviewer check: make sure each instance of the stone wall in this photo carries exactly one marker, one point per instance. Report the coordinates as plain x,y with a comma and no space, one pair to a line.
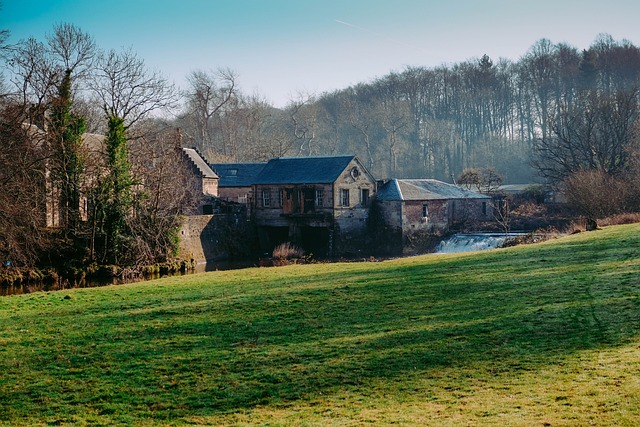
436,221
214,237
386,226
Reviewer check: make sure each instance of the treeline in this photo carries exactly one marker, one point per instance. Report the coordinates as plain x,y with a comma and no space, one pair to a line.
430,122
558,115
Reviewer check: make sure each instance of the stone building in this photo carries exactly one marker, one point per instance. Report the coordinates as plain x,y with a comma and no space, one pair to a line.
413,212
319,203
92,151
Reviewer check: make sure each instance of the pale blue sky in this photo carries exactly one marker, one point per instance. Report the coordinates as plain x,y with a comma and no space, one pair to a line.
280,48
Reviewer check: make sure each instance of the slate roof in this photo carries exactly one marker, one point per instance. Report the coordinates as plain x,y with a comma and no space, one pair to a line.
237,174
199,162
303,170
424,189
516,188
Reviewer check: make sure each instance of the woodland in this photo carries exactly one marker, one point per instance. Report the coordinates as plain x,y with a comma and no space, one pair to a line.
559,116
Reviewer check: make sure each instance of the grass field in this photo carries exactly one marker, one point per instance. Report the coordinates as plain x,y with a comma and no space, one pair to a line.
539,335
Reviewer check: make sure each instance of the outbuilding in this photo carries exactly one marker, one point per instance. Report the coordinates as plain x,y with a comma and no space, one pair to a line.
412,212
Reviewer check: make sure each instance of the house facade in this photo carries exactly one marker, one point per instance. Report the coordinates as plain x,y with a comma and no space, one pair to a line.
413,212
319,203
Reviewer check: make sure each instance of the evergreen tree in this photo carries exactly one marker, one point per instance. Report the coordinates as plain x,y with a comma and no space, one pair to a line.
117,189
67,169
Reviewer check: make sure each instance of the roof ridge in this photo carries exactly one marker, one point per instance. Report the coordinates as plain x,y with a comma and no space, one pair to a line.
196,158
313,157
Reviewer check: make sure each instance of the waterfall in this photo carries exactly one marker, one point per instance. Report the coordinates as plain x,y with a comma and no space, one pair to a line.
472,242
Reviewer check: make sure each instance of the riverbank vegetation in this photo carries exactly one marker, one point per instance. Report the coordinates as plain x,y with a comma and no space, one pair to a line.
544,334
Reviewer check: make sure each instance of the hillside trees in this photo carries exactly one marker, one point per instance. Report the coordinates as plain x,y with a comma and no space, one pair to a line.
592,134
595,136
478,113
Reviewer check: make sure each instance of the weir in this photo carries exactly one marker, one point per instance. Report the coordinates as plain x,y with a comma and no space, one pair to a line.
472,242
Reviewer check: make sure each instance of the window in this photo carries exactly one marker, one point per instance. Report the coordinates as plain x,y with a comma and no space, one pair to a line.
266,198
233,172
344,193
484,208
425,211
242,198
319,198
364,196
280,197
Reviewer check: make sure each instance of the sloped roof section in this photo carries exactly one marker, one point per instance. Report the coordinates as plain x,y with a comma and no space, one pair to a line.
425,189
390,191
200,163
303,170
237,174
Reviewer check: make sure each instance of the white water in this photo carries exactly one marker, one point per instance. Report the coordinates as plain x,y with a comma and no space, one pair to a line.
472,242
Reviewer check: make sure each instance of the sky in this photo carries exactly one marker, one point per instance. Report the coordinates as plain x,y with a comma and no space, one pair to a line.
284,49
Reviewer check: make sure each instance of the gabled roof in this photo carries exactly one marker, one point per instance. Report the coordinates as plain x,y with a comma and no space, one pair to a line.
199,163
92,141
424,189
303,170
237,174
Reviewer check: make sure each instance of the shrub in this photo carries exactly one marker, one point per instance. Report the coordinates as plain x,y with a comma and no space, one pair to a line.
622,218
287,250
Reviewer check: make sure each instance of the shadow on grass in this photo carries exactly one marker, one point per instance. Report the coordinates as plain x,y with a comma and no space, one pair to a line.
328,332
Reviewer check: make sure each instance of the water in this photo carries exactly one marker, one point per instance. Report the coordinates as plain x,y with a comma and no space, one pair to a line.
96,282
472,242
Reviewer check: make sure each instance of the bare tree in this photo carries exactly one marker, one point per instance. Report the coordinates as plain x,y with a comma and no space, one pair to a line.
73,49
595,136
393,116
128,90
22,196
128,93
595,194
34,77
72,53
358,112
486,180
208,94
304,124
167,193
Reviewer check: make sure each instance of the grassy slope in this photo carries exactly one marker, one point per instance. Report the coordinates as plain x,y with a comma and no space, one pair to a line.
538,335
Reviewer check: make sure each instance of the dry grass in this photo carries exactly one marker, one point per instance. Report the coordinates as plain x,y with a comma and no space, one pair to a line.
287,250
620,219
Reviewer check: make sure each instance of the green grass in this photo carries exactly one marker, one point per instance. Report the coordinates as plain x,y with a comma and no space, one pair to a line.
546,334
